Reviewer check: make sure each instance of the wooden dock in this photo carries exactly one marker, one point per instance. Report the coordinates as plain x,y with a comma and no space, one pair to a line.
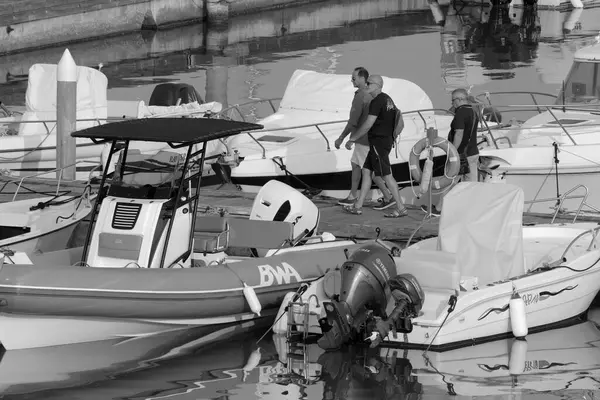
228,200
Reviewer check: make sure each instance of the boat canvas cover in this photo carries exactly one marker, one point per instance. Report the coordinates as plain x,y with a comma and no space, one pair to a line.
311,91
40,98
482,224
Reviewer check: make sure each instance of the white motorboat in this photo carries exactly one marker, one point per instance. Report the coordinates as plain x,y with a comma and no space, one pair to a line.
455,290
554,150
297,144
43,223
28,140
560,361
149,264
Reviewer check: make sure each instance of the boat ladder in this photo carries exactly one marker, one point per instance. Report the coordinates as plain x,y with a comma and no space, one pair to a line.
301,318
298,363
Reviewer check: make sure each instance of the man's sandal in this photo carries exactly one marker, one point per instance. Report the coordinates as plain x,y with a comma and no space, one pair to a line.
352,210
395,213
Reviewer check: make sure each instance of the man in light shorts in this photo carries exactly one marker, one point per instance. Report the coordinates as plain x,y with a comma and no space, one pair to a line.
358,114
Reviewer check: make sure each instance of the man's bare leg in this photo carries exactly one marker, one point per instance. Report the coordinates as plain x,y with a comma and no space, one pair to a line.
365,187
387,195
393,186
356,175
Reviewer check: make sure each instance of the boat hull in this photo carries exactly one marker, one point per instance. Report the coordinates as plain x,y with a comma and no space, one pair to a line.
79,304
551,298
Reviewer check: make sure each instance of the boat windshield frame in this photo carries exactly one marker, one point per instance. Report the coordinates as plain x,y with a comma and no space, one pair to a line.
193,132
586,92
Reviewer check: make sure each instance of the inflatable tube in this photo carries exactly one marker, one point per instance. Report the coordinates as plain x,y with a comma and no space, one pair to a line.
451,167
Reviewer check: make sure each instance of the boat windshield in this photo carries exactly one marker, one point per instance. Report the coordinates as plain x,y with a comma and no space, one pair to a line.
147,176
582,86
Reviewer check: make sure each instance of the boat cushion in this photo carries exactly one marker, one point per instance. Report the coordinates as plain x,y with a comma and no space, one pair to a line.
241,233
211,234
114,245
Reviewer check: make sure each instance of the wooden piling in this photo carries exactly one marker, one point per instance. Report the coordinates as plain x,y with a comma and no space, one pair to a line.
66,115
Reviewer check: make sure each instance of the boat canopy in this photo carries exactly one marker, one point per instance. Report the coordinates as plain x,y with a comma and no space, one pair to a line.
333,93
482,224
181,131
40,98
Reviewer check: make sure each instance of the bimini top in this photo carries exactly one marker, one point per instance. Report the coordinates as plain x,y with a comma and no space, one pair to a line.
180,131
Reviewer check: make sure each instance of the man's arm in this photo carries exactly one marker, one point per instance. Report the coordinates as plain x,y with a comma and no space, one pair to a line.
364,128
459,126
355,111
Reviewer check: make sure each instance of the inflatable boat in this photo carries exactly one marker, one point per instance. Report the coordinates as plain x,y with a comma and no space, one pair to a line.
145,267
484,277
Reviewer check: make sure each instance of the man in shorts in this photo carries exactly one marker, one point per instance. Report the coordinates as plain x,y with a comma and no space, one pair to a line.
358,114
463,135
381,126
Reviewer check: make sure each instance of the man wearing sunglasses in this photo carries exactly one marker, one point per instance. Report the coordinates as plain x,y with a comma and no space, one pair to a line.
381,126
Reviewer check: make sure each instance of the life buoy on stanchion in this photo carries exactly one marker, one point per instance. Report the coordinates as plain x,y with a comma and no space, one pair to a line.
425,175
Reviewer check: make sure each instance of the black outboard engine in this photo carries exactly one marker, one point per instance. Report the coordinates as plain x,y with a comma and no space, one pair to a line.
169,94
364,294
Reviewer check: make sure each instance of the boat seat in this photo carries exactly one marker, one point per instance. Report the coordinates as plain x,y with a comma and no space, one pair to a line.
240,232
211,234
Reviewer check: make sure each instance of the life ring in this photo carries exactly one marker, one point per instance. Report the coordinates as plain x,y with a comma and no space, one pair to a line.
451,168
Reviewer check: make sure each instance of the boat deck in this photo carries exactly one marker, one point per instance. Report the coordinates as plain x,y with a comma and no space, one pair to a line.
228,200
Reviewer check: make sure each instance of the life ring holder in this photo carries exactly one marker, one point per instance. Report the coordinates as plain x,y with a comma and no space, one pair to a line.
451,167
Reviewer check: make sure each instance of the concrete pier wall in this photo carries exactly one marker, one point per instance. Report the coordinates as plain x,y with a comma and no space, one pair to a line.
101,19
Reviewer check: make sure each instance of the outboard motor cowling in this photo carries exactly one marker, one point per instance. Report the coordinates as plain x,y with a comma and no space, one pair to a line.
364,288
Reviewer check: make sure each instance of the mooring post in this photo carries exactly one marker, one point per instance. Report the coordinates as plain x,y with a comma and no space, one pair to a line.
66,115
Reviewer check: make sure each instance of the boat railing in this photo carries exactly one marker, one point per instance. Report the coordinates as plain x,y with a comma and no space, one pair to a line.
58,180
592,231
319,125
546,107
568,195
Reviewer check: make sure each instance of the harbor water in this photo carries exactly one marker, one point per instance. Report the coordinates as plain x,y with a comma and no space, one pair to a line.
440,48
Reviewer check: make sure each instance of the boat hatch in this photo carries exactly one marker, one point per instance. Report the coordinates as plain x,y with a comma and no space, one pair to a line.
567,121
275,138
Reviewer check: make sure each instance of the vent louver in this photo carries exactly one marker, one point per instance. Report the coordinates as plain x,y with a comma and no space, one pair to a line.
126,215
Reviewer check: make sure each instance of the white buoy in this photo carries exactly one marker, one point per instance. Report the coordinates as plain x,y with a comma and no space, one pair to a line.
252,363
518,356
281,319
66,114
252,299
577,3
518,318
280,342
426,179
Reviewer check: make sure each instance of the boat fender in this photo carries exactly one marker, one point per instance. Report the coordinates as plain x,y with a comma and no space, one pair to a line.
518,319
451,168
281,342
426,179
252,363
281,319
518,356
252,299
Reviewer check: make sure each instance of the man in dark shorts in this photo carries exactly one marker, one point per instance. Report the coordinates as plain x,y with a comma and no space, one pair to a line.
463,135
380,126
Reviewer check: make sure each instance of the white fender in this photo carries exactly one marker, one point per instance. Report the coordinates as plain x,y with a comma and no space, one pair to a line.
427,173
252,299
281,319
281,342
252,363
518,356
518,318
577,3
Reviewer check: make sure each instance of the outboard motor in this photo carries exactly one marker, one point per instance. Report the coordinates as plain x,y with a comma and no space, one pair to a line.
364,294
172,94
277,201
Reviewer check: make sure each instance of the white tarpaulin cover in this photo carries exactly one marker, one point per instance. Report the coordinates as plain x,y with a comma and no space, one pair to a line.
482,223
40,98
316,91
